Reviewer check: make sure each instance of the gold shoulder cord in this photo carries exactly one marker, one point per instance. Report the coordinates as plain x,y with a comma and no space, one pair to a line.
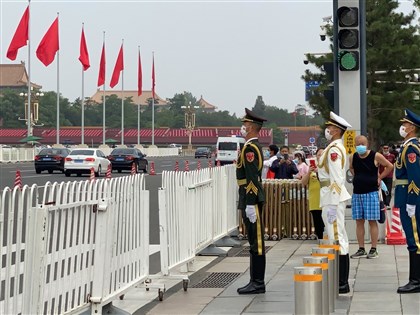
239,163
323,164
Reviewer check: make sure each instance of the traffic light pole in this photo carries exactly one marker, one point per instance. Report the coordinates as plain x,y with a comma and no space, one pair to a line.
363,74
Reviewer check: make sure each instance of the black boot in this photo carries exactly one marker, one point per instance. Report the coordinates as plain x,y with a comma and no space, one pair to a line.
251,274
256,285
413,285
344,269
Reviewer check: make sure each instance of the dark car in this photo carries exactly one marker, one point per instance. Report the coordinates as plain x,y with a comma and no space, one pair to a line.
124,158
50,159
202,152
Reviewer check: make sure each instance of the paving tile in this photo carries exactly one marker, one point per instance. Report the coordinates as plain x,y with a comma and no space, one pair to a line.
190,302
271,307
227,305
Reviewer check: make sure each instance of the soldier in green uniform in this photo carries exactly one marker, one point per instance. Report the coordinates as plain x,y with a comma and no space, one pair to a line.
251,200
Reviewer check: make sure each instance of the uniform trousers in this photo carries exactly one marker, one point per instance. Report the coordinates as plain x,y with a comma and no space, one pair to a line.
336,230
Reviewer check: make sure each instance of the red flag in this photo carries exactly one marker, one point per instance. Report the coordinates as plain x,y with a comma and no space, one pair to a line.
119,66
21,36
49,44
140,79
101,77
153,78
84,55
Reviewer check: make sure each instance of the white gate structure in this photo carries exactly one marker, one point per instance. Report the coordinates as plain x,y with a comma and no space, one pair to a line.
195,209
76,247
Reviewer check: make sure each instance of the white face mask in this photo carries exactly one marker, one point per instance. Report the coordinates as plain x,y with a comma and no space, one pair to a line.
328,136
244,133
403,133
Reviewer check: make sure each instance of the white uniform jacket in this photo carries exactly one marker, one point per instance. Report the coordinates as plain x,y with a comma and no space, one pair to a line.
332,174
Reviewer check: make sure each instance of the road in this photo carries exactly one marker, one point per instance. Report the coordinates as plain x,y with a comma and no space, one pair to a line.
29,177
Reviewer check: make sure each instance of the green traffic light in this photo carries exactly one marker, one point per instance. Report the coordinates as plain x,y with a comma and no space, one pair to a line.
349,61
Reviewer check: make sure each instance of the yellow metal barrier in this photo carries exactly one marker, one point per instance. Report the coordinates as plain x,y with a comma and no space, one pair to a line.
286,211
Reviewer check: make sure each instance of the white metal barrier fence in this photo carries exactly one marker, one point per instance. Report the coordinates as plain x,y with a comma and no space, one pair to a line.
76,248
195,209
13,155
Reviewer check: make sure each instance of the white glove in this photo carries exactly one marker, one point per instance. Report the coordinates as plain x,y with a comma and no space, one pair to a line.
251,214
411,210
332,214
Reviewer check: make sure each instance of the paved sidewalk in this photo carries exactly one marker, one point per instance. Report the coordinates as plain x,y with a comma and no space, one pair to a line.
373,285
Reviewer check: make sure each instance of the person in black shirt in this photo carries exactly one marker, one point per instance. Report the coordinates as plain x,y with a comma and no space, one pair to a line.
284,167
365,200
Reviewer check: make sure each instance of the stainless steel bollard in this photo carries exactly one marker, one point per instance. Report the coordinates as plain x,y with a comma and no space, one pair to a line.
321,262
329,253
336,245
308,290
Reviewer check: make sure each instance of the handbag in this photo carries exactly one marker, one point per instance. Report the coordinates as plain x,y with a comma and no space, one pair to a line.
382,209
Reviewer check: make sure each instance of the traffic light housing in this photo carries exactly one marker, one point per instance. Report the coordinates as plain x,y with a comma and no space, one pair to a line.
348,38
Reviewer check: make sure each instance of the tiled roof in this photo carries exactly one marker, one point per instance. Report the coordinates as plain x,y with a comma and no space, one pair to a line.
203,103
142,99
14,75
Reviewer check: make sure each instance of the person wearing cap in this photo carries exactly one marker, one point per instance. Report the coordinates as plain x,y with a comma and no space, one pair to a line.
333,194
407,196
251,200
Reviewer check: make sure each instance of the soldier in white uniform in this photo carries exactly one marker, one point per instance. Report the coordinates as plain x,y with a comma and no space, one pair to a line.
333,196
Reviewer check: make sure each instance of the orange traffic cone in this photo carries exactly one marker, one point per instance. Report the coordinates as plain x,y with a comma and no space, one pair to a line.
92,174
187,166
18,180
209,166
176,166
199,165
108,171
133,169
394,234
152,168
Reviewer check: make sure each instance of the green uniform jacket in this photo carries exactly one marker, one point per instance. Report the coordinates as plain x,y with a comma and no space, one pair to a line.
248,175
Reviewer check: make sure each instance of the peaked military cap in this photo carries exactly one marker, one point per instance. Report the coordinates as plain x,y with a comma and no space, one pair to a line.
411,118
251,117
337,121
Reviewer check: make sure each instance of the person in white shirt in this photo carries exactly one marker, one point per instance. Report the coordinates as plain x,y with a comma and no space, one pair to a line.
273,149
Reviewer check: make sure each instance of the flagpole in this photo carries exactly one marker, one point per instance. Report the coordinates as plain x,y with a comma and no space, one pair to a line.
138,123
138,108
153,101
103,101
83,106
83,99
29,122
122,100
58,93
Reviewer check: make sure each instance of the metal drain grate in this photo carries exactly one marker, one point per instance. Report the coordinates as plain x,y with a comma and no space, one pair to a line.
244,252
217,280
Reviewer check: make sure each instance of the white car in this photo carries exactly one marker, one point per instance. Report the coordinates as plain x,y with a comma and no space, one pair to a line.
80,161
174,145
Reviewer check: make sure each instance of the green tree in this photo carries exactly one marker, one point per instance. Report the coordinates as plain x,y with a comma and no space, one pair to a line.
11,109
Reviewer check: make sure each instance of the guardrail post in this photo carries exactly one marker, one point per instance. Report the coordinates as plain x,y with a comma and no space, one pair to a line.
330,254
163,227
336,246
321,262
308,287
34,260
102,254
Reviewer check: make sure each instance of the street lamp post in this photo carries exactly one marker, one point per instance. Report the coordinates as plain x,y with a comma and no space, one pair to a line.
189,121
31,112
